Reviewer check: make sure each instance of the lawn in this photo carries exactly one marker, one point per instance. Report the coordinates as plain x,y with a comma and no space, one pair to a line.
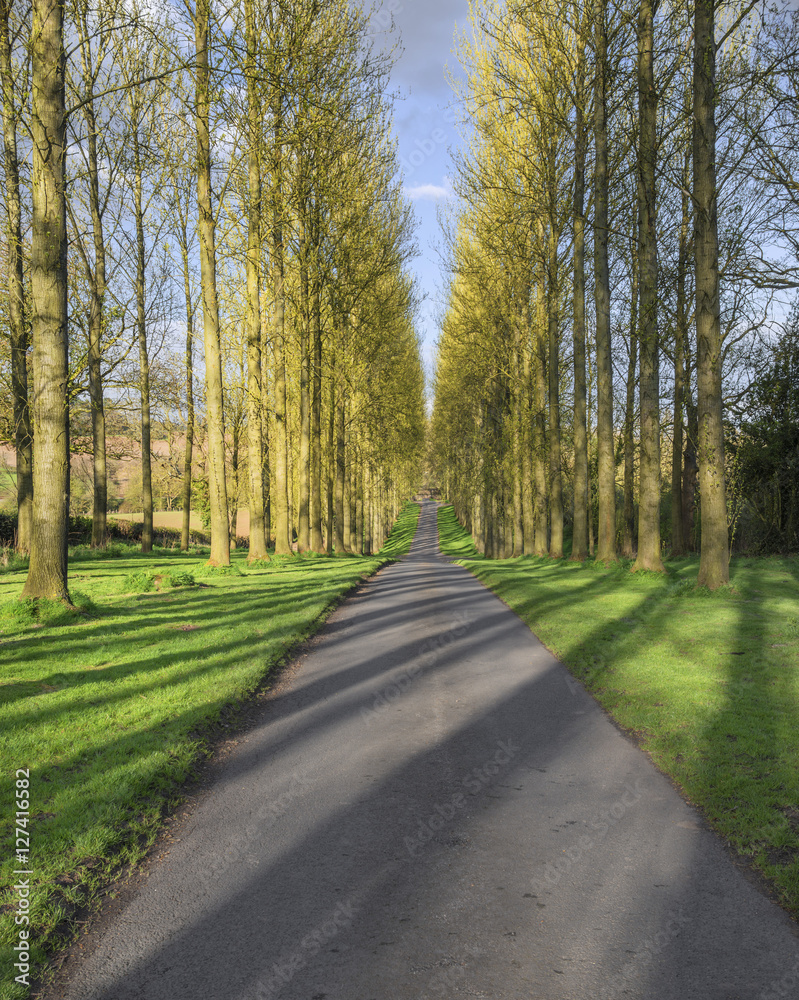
112,706
707,683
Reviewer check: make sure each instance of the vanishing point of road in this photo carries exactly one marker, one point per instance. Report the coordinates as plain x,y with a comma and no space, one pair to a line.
431,807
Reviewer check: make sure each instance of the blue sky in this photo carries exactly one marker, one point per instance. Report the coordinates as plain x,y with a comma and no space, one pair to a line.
424,122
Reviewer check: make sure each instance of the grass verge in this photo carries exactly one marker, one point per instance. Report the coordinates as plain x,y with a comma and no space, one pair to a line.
707,683
111,705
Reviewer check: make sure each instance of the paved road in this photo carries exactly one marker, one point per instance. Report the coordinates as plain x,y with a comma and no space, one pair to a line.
432,808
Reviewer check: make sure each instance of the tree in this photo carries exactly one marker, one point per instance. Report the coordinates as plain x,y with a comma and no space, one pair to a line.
47,574
179,207
220,528
255,446
715,552
94,42
649,382
18,322
606,476
766,446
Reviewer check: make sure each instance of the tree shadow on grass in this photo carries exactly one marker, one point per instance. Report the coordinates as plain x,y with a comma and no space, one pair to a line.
749,747
226,607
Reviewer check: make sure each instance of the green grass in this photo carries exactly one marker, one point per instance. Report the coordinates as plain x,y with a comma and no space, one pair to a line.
110,705
709,683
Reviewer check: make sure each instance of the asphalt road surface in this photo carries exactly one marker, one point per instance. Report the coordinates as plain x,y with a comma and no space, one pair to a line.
434,808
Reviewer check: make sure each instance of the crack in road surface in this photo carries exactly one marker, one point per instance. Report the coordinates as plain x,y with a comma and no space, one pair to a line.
434,808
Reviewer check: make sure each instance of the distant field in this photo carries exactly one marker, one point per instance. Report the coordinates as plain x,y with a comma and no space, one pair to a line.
8,484
174,519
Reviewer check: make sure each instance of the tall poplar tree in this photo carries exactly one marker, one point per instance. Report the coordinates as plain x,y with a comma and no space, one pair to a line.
715,551
17,320
47,573
217,484
648,341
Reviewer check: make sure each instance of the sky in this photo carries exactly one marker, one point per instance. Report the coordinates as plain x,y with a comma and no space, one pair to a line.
424,121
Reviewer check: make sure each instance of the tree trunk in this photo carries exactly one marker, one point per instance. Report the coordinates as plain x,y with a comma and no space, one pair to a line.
481,513
292,499
714,561
47,573
555,477
23,433
591,440
332,464
346,526
648,557
517,481
281,497
144,360
97,281
629,542
502,524
580,529
491,525
185,533
360,504
527,442
690,471
255,443
304,471
217,486
606,466
680,340
317,543
371,540
351,501
266,467
234,469
541,540
341,505
714,545
509,523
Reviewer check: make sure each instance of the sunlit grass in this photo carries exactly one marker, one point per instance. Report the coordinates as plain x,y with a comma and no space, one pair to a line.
709,683
8,484
110,705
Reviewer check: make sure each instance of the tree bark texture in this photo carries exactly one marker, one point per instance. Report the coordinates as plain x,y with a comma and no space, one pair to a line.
629,538
648,557
606,466
304,470
580,529
555,455
144,359
317,543
255,444
23,431
47,573
714,560
217,486
680,340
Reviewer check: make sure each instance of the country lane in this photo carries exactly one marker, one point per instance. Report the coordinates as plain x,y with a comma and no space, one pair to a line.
431,807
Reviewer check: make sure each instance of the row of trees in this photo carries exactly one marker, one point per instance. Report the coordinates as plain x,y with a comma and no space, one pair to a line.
626,176
238,161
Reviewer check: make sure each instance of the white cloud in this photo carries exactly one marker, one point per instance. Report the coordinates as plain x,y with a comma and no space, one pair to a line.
428,192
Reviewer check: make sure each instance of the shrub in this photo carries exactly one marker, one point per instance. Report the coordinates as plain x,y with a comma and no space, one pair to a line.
138,583
8,528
